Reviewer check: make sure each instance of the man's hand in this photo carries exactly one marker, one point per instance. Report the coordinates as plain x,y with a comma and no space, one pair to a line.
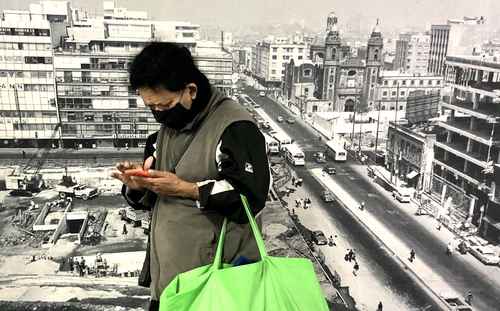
124,178
167,184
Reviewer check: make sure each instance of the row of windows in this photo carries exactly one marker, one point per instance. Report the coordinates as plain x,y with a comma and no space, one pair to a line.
24,32
28,114
34,127
288,50
413,82
24,46
25,74
29,87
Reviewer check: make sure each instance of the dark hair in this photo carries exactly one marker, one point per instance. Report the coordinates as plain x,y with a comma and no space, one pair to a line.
167,65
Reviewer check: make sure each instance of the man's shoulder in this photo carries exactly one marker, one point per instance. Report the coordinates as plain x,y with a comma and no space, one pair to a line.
152,137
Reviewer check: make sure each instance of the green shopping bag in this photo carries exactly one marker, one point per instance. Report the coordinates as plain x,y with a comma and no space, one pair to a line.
273,283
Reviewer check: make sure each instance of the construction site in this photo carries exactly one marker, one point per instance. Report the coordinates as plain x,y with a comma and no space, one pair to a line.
69,240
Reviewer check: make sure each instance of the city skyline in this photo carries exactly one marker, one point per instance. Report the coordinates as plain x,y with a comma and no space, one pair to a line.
232,15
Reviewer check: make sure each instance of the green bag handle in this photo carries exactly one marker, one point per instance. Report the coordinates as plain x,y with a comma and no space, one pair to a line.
217,264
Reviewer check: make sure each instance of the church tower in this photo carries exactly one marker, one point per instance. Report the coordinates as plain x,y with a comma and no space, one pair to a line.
331,59
374,63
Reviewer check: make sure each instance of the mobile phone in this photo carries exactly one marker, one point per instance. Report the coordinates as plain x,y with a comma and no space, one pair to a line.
137,172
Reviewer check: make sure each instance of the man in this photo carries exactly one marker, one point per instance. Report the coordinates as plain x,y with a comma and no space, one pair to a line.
208,151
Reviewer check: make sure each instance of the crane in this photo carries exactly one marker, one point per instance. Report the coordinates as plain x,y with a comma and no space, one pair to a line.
31,181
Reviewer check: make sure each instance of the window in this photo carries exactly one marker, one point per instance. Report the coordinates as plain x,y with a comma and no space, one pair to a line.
400,107
421,82
132,103
386,82
412,82
394,82
275,49
384,93
402,93
438,82
275,57
300,57
429,82
273,72
393,93
307,72
404,82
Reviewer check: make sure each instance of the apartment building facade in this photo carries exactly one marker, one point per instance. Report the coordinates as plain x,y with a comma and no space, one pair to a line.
412,53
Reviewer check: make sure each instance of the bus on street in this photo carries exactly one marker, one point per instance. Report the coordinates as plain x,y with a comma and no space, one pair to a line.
272,146
282,138
294,154
336,151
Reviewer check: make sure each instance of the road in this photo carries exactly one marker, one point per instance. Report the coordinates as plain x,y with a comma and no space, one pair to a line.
460,275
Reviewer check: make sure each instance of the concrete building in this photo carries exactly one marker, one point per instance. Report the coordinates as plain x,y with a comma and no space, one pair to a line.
409,153
82,83
391,81
467,154
27,89
271,56
456,37
412,53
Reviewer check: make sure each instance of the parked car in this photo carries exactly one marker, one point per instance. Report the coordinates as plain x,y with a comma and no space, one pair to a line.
262,93
290,120
280,119
266,125
485,254
256,106
319,157
403,195
319,238
327,196
330,170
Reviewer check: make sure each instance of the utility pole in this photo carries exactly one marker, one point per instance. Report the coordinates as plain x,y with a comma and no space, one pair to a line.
359,144
353,123
394,157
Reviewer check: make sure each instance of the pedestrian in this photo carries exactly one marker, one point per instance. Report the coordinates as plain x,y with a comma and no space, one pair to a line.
449,249
355,269
412,255
206,141
124,232
468,298
293,181
24,154
71,262
380,306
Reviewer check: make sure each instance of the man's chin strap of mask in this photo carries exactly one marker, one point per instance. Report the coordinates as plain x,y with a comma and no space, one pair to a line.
176,117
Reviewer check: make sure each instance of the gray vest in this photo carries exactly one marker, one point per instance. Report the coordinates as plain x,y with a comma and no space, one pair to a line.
184,237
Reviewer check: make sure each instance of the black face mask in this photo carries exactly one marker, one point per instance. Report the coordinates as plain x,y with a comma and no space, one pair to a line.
175,118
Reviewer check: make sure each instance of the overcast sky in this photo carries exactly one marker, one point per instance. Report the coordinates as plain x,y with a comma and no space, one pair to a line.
394,14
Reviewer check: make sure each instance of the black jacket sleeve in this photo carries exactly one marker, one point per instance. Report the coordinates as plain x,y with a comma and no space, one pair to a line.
243,168
135,197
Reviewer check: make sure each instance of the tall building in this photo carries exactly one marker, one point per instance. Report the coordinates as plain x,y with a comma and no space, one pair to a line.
82,83
27,89
467,154
456,37
270,57
412,53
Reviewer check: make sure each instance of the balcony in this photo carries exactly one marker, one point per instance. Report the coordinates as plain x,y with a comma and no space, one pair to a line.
349,91
462,128
477,158
483,88
486,111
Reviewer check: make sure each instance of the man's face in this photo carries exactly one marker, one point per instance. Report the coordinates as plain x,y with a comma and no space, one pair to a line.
160,99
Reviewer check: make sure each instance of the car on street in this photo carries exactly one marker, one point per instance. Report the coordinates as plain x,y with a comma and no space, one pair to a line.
319,238
280,119
319,157
403,195
327,196
262,93
290,120
486,254
256,106
330,170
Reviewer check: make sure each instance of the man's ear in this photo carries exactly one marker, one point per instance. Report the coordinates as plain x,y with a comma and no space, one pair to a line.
193,90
